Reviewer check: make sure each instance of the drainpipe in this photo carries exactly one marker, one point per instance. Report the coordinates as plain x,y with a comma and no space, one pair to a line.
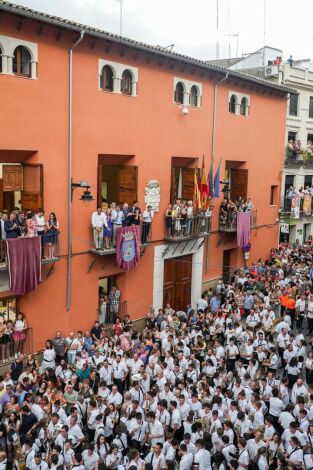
214,114
213,154
70,160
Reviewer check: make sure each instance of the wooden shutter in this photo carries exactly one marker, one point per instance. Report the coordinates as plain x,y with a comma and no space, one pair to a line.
32,194
12,177
127,184
99,197
188,183
238,183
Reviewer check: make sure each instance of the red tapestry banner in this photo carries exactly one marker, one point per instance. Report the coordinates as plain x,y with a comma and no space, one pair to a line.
24,263
128,247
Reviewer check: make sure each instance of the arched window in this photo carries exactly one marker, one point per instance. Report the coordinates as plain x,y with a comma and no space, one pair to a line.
1,53
179,93
244,107
194,96
21,62
107,78
127,83
233,104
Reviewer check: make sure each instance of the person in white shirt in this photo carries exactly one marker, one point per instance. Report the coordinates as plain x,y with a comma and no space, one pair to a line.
294,452
98,222
202,458
156,458
276,405
186,458
155,429
147,218
90,458
37,463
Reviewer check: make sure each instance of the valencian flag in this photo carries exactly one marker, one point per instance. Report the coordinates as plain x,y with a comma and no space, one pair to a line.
196,192
204,188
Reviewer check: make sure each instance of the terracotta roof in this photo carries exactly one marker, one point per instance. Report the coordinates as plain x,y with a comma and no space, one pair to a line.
160,51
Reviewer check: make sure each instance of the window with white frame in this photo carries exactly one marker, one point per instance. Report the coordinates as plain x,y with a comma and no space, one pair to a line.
117,78
187,92
18,57
238,103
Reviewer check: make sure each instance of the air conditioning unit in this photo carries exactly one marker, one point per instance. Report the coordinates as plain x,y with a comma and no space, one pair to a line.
272,71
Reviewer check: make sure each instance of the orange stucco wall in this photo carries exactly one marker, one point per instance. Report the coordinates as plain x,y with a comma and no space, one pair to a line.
34,116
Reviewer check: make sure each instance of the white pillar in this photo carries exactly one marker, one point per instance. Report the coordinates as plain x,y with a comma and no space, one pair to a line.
134,88
33,69
10,64
4,63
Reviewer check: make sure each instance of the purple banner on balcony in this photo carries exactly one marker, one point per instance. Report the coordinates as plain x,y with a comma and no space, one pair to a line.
128,247
24,263
243,228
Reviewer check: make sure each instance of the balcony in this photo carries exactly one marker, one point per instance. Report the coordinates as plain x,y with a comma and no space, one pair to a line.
46,259
229,223
178,230
98,242
295,159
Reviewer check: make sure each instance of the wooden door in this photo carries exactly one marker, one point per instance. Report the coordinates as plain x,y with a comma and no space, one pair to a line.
127,184
1,194
8,201
226,265
32,194
12,177
188,183
99,195
239,183
177,282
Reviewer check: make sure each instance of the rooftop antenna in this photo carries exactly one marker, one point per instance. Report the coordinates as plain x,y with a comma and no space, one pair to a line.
121,17
217,31
229,33
264,32
235,35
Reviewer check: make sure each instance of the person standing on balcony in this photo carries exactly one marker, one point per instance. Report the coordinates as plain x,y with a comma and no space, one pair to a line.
249,204
19,333
31,225
108,229
51,237
189,217
10,226
41,225
98,222
147,217
126,217
117,217
114,302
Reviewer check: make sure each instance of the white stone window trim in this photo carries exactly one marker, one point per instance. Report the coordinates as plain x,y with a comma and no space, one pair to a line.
8,45
239,97
118,70
188,84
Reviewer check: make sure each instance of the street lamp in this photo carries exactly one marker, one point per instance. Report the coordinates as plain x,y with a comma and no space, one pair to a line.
86,196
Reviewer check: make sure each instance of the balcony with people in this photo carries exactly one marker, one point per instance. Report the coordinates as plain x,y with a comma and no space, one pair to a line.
229,211
297,155
183,222
298,201
106,221
20,224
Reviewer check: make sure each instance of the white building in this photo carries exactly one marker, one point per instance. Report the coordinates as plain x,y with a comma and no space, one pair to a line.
267,63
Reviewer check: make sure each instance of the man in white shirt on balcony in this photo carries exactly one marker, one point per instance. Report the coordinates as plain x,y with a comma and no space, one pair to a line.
98,222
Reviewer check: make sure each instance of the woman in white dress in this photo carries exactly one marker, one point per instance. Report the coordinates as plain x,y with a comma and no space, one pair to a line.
49,355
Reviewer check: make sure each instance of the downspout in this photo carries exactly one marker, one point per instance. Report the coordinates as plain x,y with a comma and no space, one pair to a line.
214,114
213,154
70,160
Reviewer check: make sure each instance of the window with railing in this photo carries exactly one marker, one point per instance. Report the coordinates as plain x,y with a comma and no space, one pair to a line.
179,93
233,104
107,78
127,83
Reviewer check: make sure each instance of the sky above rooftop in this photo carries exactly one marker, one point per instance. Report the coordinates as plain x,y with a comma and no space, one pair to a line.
191,25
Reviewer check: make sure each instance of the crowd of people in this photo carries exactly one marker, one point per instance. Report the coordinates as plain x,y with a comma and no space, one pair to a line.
229,210
227,384
182,220
106,220
18,224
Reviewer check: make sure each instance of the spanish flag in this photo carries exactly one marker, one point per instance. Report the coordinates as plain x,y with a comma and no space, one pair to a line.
204,188
196,192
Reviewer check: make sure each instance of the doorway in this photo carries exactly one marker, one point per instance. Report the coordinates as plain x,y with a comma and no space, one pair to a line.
105,285
177,282
226,265
306,232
